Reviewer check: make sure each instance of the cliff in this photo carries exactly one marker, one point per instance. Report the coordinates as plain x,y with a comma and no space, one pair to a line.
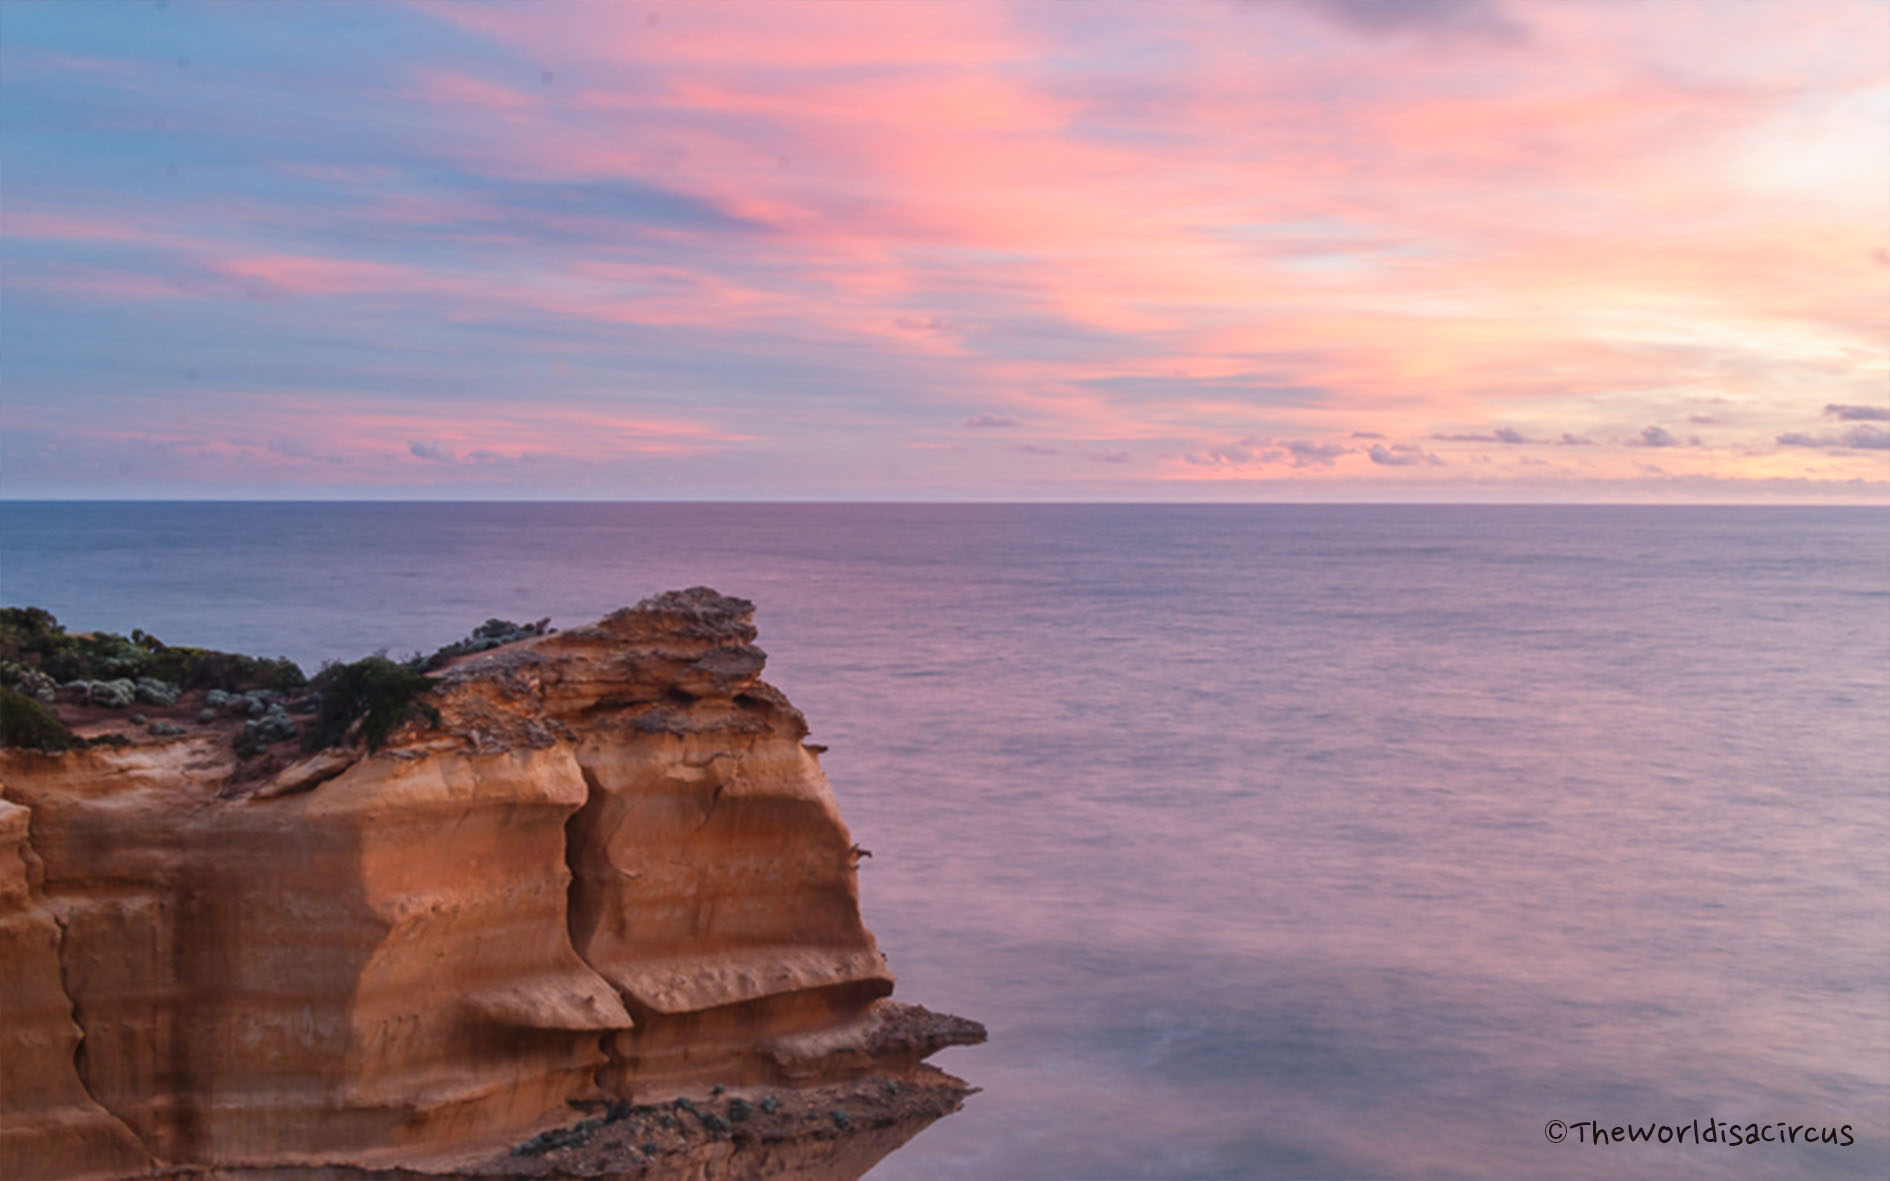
596,870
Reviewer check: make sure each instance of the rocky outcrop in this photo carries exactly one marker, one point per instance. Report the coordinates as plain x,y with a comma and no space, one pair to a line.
49,1124
611,873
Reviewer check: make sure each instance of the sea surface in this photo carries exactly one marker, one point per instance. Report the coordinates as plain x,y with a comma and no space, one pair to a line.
1269,841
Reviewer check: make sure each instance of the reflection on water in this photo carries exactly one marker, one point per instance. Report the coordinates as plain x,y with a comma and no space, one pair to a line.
1274,841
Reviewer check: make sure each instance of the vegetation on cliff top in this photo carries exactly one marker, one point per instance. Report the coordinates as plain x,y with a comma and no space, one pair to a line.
31,639
490,634
376,693
25,722
366,700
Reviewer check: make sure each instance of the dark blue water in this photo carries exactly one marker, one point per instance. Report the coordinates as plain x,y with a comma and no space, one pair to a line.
1286,841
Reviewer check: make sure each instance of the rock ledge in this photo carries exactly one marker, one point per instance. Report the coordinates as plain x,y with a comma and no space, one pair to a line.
603,873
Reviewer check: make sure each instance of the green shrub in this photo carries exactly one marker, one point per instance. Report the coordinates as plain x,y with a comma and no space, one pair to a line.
493,633
377,694
32,638
25,722
202,668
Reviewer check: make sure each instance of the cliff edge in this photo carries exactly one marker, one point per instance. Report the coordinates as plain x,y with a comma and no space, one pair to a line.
588,910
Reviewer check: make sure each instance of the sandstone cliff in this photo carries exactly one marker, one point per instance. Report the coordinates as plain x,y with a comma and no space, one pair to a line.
610,873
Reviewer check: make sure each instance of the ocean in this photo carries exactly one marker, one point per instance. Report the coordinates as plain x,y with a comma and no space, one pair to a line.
1269,841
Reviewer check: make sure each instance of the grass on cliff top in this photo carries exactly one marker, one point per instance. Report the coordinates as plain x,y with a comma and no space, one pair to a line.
30,638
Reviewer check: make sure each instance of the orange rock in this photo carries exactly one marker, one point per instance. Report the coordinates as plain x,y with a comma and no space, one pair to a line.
613,870
49,1123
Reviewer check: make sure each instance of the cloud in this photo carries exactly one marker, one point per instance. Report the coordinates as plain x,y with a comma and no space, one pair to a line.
1481,18
1500,435
1308,454
1034,449
1110,457
1858,438
293,448
1252,450
833,225
1655,436
1402,455
1257,389
1858,413
610,204
1238,453
929,324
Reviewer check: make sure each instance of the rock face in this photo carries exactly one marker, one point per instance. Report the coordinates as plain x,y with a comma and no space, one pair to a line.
613,872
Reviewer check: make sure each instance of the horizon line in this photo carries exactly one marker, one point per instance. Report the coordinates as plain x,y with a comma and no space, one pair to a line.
968,502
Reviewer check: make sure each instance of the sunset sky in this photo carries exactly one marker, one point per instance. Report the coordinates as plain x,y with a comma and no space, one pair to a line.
1212,250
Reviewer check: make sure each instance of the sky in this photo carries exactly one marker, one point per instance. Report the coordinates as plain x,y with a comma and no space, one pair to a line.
1211,250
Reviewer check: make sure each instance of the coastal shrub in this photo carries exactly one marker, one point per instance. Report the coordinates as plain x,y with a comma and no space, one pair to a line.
204,668
25,722
376,694
490,634
271,727
31,638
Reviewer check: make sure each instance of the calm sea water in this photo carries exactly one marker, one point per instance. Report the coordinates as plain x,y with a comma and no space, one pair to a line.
1269,841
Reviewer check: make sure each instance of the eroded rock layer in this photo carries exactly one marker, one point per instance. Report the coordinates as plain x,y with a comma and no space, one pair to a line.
612,871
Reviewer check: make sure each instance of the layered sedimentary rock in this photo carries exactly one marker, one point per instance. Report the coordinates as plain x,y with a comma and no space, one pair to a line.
49,1123
611,872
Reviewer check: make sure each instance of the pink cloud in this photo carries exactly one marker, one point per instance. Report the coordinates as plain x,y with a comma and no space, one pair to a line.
321,432
463,90
1592,222
311,275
